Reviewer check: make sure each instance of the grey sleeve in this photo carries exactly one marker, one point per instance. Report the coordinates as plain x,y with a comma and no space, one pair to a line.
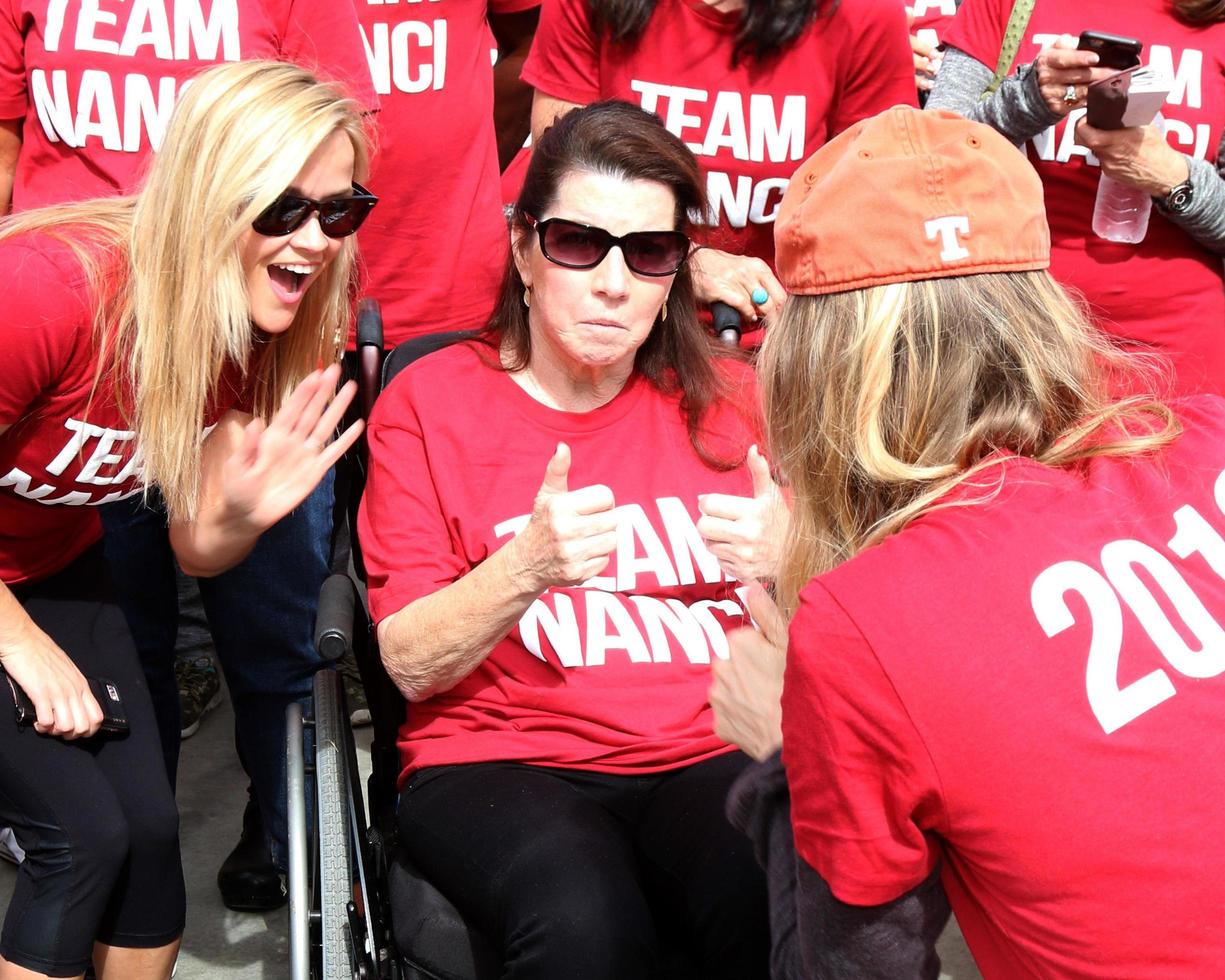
814,936
1016,109
1205,221
1018,112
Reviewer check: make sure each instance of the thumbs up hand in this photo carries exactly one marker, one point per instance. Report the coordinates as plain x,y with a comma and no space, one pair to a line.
571,533
746,534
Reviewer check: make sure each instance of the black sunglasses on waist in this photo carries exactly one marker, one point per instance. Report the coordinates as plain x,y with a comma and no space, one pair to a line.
339,217
576,246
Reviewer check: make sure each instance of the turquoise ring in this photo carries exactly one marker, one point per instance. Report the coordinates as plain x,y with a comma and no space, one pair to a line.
759,296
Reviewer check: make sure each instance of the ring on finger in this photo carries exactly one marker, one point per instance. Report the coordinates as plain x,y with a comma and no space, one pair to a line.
1070,95
759,296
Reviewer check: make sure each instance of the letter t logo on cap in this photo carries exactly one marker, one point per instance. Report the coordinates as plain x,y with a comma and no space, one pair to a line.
951,250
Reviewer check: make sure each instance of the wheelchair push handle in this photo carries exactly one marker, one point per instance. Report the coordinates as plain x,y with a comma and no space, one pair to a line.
727,323
334,620
369,352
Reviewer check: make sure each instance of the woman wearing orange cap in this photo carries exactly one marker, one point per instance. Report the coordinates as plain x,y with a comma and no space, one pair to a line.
1005,592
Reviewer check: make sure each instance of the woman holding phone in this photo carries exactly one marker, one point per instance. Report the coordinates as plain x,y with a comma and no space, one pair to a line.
173,339
1167,293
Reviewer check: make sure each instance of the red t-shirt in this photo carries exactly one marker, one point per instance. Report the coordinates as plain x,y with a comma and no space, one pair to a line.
1031,687
95,80
437,244
750,125
932,18
611,676
67,444
1171,292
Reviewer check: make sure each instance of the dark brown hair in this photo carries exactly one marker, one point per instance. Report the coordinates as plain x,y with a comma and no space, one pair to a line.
766,26
618,139
1200,11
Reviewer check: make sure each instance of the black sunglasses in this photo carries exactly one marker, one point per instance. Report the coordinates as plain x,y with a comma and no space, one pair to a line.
339,217
575,246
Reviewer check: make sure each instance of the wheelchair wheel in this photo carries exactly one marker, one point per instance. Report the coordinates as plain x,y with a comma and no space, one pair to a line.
335,880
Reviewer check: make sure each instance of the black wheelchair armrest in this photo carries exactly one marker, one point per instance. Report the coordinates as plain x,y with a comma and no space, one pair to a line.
335,618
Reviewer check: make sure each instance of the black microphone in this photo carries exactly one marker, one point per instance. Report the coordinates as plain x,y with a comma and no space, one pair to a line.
727,323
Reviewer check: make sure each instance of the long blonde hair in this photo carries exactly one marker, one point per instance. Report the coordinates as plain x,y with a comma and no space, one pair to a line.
164,268
879,401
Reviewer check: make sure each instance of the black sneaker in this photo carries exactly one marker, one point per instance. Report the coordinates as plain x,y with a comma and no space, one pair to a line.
199,691
248,880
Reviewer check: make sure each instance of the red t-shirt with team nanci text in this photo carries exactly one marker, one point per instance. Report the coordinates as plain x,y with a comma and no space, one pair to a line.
611,676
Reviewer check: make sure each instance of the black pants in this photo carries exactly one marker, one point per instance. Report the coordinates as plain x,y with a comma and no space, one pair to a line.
574,874
95,816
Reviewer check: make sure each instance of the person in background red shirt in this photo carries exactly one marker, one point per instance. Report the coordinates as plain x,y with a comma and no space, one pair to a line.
446,125
1005,668
139,336
751,90
1166,293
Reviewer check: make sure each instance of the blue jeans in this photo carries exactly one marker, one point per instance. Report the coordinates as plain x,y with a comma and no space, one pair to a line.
262,616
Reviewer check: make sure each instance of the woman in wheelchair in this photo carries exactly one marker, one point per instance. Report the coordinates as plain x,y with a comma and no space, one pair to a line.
189,320
554,513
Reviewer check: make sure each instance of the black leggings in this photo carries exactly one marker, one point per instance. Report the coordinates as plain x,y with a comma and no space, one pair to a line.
568,873
95,817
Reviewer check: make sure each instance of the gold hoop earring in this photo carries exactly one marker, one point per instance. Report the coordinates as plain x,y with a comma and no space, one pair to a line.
527,296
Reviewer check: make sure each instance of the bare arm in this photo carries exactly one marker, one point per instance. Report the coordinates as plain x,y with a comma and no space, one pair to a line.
254,474
10,150
545,108
512,97
433,643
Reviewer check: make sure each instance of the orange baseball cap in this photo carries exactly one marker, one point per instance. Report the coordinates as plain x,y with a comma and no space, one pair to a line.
909,195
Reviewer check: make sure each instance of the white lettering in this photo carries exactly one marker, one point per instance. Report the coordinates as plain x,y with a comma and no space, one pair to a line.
148,25
686,543
55,24
1188,77
948,228
726,129
560,628
193,31
671,616
723,200
90,16
605,610
780,136
633,526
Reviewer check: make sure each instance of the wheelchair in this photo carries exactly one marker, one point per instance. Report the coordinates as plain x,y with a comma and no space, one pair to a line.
347,876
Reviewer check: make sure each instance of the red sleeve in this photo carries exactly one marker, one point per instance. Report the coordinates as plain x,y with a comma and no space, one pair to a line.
978,30
45,318
12,63
323,36
863,788
405,544
878,66
565,58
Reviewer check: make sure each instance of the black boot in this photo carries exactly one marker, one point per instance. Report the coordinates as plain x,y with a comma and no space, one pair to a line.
248,879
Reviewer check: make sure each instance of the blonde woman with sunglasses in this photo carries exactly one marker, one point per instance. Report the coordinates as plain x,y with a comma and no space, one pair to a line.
184,339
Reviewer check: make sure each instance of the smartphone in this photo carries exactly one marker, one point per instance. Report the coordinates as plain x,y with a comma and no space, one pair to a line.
114,715
1112,50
